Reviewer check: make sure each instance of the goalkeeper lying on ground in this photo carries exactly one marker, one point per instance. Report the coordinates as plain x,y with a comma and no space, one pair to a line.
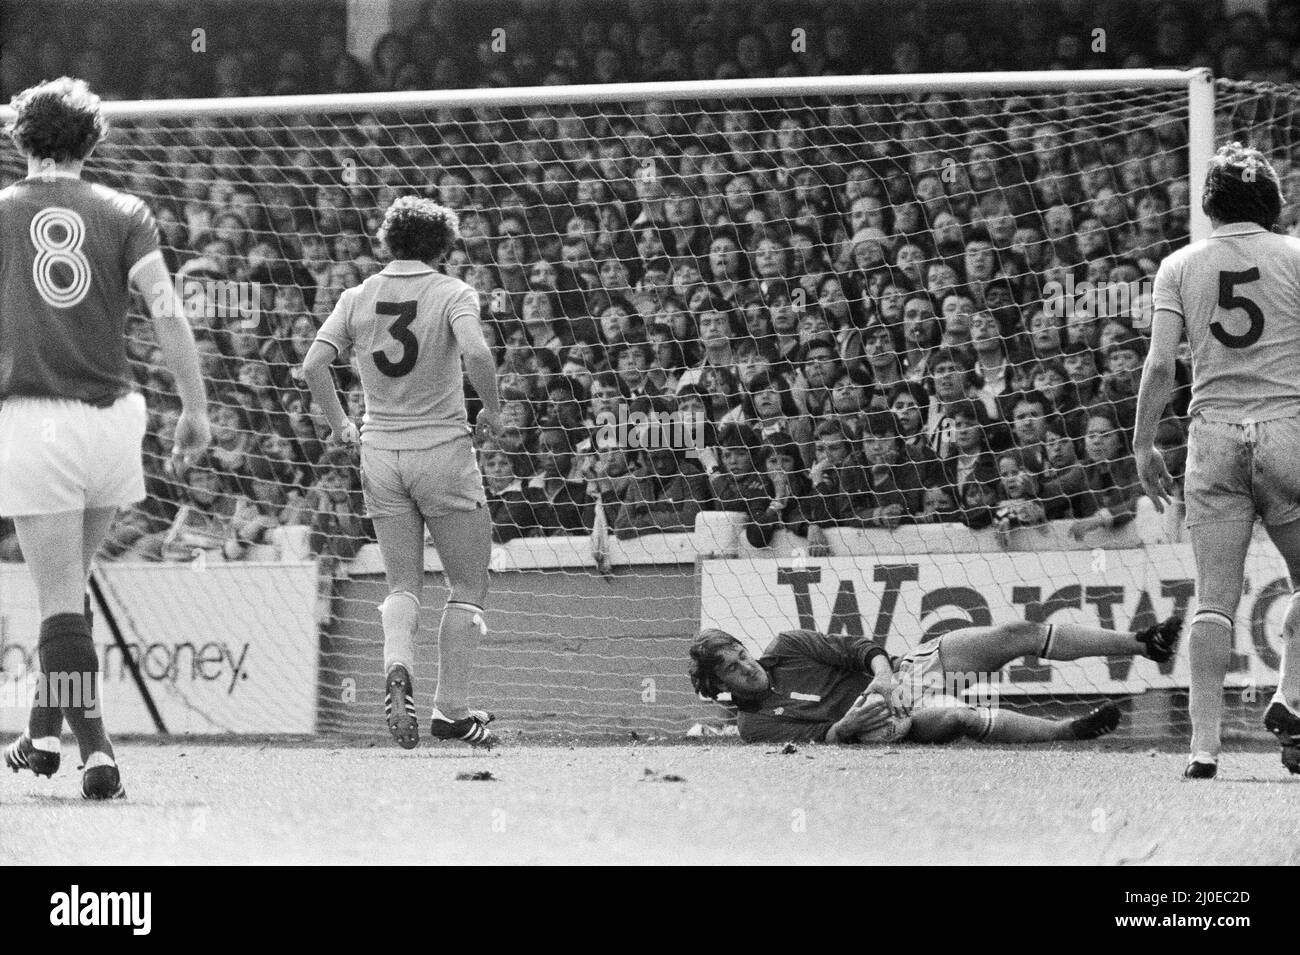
810,687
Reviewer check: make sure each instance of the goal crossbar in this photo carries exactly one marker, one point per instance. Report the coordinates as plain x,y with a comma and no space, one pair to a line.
1199,84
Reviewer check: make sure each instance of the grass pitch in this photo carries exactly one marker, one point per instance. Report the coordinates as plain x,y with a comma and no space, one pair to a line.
703,802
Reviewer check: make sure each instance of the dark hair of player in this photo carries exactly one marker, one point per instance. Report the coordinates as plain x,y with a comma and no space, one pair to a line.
58,120
1242,186
418,229
706,654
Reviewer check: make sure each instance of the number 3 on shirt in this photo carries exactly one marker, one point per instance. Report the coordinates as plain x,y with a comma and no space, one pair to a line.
1228,281
401,332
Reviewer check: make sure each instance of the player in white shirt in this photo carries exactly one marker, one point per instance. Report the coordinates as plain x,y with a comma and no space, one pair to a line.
410,326
1237,296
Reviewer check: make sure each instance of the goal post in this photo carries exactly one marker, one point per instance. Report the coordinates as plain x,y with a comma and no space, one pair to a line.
268,206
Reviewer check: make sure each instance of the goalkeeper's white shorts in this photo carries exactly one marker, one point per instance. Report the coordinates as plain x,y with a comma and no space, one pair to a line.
58,454
921,679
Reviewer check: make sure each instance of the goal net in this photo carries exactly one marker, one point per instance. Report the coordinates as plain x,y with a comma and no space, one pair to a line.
851,354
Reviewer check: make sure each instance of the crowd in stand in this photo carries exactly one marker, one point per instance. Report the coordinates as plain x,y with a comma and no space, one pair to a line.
815,314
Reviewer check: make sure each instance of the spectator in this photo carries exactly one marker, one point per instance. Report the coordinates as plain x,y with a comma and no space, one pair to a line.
744,485
952,382
666,496
837,476
333,508
517,511
203,525
1112,474
568,509
1063,470
939,506
970,459
894,482
1119,386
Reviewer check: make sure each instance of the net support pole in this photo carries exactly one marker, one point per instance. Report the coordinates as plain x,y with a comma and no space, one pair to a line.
1200,145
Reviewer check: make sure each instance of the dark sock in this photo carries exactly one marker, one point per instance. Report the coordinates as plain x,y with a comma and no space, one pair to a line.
71,666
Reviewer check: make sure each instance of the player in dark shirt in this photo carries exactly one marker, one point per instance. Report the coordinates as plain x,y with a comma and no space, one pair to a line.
814,687
70,422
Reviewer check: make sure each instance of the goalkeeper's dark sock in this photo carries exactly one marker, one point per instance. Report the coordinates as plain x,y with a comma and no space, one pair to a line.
71,665
458,638
1072,641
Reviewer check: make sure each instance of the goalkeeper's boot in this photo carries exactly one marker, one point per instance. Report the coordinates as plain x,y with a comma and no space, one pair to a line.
1201,766
472,729
1160,641
1099,722
399,708
22,753
1282,722
101,779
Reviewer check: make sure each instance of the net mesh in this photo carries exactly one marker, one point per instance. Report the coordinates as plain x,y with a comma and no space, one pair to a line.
896,330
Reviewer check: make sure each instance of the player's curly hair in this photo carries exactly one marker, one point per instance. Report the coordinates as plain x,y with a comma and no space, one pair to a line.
60,120
420,229
706,654
1242,186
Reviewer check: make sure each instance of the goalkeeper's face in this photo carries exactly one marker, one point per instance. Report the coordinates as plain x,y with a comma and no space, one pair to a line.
740,672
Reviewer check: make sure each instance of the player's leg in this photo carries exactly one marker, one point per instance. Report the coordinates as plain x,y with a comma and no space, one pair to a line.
1282,717
1220,550
464,543
942,724
95,523
973,650
401,545
400,534
446,484
53,546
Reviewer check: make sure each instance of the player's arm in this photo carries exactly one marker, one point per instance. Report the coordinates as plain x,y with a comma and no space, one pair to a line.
480,367
316,370
1157,387
857,654
176,340
332,340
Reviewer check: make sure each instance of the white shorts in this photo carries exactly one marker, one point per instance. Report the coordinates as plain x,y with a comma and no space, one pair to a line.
429,482
58,454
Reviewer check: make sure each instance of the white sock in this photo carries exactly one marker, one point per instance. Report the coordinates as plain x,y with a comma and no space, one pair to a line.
458,638
400,613
47,744
99,759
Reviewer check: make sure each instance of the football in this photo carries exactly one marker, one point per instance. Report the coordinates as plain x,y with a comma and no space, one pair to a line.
894,731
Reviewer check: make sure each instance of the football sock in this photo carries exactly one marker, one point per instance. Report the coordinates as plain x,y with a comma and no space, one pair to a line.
1071,641
1288,681
400,613
45,722
1211,650
71,667
1006,726
458,637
